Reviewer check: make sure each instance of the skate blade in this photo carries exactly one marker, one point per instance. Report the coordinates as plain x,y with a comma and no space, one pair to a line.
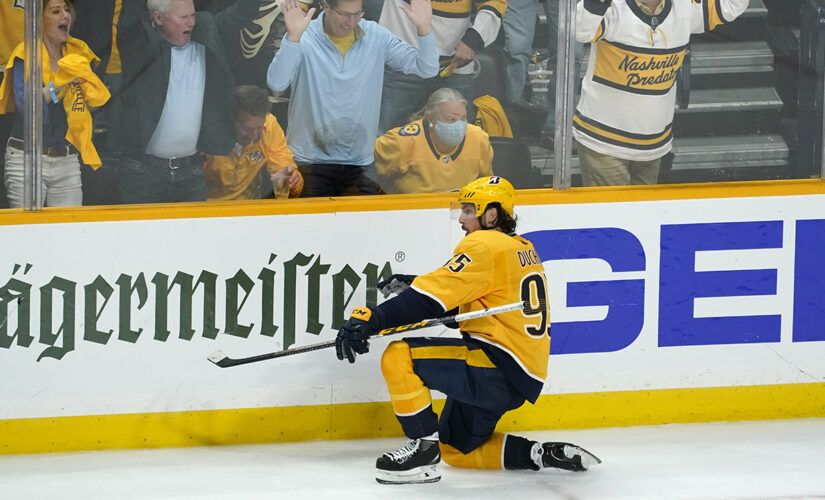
588,459
418,475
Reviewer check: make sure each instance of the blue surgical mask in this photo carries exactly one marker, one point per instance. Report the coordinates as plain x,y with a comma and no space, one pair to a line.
451,133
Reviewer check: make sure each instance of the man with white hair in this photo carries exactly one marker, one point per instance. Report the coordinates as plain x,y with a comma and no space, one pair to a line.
177,98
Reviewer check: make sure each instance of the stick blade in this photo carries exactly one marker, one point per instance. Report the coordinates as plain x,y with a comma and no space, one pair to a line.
219,358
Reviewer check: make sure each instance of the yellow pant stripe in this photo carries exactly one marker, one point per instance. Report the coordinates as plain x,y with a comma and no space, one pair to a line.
408,393
476,357
486,456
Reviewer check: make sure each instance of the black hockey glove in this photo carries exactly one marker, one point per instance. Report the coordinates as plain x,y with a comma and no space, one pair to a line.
598,7
352,337
396,283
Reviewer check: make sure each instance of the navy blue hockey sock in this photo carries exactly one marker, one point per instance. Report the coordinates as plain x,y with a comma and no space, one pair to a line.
517,453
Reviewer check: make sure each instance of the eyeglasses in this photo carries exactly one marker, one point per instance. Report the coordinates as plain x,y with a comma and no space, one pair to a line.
348,15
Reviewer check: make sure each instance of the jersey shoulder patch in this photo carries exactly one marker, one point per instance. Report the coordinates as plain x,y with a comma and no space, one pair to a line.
411,129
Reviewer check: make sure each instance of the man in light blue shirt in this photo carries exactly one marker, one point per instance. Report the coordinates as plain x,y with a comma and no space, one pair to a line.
335,65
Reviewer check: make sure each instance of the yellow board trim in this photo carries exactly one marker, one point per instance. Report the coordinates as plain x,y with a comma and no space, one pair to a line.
372,420
9,217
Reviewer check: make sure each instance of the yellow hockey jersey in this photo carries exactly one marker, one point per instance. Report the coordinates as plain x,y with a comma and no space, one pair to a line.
235,177
490,269
628,94
407,162
11,28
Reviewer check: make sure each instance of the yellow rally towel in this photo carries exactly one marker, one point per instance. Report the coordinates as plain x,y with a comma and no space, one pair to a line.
73,46
491,117
77,57
77,97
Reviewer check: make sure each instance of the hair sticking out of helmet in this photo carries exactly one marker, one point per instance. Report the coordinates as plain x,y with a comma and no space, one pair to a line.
481,192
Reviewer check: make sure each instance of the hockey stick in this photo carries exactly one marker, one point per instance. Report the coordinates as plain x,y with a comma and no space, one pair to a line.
224,361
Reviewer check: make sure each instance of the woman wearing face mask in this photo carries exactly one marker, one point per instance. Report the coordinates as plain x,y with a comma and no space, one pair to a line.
438,151
70,89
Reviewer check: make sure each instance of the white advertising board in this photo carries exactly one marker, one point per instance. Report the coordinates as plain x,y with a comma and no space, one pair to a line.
118,317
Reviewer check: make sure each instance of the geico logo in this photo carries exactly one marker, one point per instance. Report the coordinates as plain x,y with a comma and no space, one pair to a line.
680,284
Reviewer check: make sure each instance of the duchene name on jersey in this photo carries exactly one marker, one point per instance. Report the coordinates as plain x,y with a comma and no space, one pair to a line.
646,73
528,258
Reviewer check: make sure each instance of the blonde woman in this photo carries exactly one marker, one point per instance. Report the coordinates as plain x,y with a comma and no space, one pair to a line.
438,151
69,90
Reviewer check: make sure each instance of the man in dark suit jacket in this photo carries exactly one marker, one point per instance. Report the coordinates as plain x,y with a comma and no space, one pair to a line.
177,97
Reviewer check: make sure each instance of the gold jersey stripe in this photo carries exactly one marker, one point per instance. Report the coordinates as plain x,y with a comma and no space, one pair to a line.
620,138
476,357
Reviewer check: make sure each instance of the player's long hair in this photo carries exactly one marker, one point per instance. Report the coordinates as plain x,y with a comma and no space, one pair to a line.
504,222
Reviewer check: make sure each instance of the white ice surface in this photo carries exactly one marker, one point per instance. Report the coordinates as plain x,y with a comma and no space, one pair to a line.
783,459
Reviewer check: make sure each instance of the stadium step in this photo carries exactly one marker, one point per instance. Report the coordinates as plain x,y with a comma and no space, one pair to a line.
731,57
693,153
738,99
756,8
702,153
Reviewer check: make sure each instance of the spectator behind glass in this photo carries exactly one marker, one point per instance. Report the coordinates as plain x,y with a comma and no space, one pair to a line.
437,152
548,128
623,122
70,87
519,26
96,23
335,66
177,96
259,142
461,30
252,48
11,33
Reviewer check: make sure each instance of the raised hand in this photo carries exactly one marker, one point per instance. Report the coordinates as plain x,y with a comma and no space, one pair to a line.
420,13
295,19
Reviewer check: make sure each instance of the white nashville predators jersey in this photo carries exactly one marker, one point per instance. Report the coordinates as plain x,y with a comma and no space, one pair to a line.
629,94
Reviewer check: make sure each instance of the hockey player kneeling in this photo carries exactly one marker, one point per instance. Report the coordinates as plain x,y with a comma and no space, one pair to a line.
498,363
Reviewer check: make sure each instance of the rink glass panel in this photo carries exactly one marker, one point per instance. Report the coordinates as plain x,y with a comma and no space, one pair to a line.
749,107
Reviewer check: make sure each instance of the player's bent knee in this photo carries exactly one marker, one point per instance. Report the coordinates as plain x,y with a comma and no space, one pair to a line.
486,456
396,359
452,456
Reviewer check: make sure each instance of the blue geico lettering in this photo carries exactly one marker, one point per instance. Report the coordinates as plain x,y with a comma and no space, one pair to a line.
680,285
809,276
624,298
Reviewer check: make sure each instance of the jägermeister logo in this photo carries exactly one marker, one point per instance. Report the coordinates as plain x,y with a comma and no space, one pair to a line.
71,312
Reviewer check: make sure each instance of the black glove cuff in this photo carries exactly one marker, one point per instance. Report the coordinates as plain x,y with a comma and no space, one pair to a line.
597,7
378,321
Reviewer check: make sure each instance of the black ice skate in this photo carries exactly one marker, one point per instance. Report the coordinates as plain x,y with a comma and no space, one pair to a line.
567,456
415,462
